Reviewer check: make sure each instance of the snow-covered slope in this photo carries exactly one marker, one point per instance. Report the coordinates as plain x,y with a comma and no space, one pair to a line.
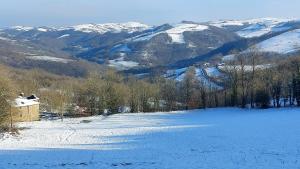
205,80
228,138
135,45
175,33
225,23
27,28
121,64
128,27
179,75
213,72
49,58
285,43
256,27
259,27
22,28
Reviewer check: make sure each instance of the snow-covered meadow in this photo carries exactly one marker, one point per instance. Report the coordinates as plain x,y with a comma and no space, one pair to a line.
214,138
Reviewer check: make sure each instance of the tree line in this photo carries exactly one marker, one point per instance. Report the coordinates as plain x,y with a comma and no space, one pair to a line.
247,83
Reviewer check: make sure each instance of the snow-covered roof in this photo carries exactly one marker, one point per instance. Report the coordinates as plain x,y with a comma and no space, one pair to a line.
21,102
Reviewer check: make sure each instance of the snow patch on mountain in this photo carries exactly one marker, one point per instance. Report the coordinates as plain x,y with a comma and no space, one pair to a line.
200,74
49,58
42,29
285,43
6,39
259,27
213,72
129,27
63,36
26,29
225,23
144,37
175,33
228,57
255,27
247,68
22,28
121,48
179,75
176,73
121,64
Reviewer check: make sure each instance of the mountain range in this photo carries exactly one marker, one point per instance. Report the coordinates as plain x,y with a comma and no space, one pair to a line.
141,49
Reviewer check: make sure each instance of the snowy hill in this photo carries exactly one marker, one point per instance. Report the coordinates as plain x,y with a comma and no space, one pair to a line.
203,75
264,26
136,46
147,45
175,32
285,43
129,27
257,27
212,138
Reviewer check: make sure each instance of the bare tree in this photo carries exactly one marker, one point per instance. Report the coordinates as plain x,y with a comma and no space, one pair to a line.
6,95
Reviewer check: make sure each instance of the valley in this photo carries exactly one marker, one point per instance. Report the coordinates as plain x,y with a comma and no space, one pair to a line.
137,48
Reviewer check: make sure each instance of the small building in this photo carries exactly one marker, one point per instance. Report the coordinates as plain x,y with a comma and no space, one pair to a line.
25,109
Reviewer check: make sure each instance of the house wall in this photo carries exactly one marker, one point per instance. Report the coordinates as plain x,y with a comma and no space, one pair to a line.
26,113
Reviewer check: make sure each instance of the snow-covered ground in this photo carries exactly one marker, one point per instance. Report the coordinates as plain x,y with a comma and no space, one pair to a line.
213,138
176,73
285,43
206,81
247,68
259,27
228,57
179,74
213,72
121,64
49,58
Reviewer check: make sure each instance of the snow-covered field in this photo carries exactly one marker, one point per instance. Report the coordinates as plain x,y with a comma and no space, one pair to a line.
201,139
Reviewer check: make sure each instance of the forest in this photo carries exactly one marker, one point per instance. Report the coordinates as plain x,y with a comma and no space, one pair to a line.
246,85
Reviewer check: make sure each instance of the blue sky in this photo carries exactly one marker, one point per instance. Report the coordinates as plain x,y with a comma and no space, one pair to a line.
70,12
